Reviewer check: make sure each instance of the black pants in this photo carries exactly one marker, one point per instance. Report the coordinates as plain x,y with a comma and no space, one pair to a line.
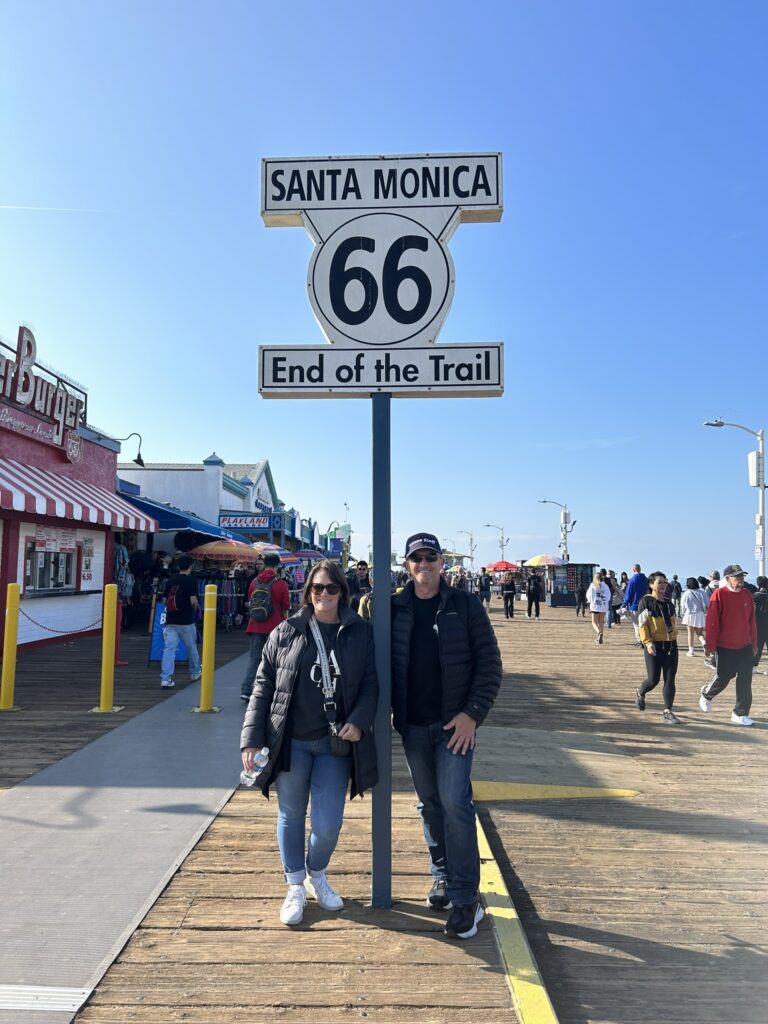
762,641
732,663
531,602
509,605
663,661
581,603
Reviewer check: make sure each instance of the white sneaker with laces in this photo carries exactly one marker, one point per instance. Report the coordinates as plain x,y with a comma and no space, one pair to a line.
690,652
292,910
741,719
320,888
704,703
167,684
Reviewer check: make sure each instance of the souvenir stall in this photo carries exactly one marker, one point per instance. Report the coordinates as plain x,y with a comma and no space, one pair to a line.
561,579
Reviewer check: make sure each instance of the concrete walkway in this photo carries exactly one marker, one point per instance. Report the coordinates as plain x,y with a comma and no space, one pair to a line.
90,842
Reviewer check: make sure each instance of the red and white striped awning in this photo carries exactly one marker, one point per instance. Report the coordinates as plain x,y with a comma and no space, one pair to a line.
41,492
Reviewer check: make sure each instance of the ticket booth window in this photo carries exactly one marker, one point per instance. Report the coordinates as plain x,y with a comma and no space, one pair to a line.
50,571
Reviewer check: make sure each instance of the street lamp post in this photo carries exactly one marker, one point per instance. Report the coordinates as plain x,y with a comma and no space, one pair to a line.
472,546
759,483
566,526
502,542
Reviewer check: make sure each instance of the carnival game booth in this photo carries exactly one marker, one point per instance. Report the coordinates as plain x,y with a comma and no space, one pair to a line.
561,579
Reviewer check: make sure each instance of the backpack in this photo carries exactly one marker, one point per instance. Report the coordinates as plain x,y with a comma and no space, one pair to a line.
260,607
172,599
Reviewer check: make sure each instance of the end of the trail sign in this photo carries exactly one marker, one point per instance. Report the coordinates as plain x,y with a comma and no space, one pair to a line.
381,277
423,371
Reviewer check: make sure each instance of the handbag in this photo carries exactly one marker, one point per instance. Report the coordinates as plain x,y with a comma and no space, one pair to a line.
339,747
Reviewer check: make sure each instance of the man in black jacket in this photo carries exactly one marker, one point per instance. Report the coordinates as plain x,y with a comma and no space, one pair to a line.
446,672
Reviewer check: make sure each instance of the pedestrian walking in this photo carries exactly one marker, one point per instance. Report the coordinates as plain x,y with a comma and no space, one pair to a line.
534,592
693,604
731,636
676,593
181,606
637,588
760,597
446,672
508,592
658,632
268,603
599,600
313,706
581,600
484,588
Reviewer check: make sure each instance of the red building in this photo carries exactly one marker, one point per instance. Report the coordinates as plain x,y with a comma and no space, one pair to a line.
60,518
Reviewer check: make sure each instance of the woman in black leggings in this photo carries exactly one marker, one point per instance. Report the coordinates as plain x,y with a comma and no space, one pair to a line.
508,593
658,633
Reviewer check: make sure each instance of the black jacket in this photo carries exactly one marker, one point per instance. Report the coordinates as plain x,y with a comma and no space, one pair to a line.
268,715
469,654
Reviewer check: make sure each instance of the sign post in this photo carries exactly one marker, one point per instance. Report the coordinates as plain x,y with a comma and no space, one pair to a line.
380,283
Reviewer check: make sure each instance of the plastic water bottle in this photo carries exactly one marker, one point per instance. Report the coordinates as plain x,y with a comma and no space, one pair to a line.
259,764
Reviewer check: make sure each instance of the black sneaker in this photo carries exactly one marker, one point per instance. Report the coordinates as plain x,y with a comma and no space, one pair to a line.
463,920
639,701
437,897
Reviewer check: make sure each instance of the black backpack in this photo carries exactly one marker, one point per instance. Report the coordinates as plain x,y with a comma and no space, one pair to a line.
260,607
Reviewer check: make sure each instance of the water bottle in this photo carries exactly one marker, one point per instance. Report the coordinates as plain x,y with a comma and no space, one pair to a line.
259,764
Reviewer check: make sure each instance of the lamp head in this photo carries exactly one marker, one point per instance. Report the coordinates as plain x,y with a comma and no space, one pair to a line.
138,460
714,423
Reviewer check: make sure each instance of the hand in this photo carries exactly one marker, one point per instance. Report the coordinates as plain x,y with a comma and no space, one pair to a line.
463,738
247,755
651,648
350,732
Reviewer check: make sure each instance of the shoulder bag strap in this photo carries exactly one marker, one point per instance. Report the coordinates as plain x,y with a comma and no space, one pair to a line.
329,687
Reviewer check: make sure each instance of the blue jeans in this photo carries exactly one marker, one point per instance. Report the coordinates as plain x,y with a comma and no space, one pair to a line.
172,634
442,783
254,660
317,773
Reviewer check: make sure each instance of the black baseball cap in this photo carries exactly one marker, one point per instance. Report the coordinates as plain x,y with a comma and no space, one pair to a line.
734,570
422,540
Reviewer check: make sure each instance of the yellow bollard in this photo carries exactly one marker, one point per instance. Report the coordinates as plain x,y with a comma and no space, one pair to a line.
108,629
209,652
11,637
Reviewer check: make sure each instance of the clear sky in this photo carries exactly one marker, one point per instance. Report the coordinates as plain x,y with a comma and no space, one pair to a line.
627,277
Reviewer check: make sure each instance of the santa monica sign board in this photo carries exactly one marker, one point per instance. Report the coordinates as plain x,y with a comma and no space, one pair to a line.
381,277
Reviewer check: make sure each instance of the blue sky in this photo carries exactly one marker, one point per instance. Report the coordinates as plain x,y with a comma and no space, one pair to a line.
627,277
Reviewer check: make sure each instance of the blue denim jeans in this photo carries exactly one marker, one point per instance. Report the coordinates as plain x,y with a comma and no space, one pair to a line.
314,773
254,660
172,634
442,783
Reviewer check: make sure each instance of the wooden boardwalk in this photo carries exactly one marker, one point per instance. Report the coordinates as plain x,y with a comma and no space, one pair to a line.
650,909
57,685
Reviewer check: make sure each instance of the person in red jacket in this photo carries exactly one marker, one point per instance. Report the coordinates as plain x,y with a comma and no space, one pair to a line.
731,635
259,631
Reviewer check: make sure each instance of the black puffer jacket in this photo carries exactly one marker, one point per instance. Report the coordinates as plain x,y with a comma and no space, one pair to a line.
268,718
469,654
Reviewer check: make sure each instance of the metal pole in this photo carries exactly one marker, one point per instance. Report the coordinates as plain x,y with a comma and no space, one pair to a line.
108,630
10,640
381,812
761,500
209,652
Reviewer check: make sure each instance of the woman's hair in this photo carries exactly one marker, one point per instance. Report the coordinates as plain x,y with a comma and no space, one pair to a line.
597,579
762,582
703,581
624,577
333,569
692,583
655,575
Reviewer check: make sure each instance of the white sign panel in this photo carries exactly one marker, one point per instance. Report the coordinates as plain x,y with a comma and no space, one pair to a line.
423,371
381,277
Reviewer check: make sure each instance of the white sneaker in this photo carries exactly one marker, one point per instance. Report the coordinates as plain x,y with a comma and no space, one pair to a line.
690,652
704,703
292,910
167,684
320,888
741,719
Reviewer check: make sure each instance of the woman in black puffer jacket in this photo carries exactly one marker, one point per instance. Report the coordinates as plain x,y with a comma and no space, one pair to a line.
286,713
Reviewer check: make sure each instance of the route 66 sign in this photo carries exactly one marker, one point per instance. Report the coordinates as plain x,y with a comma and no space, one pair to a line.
381,275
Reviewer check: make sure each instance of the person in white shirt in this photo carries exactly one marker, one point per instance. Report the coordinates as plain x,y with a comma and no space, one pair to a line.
693,605
599,601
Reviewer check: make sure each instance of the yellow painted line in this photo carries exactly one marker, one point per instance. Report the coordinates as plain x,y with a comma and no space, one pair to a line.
529,996
526,791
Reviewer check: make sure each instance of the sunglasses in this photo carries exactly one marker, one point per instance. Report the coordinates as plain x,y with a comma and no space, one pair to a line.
416,559
332,588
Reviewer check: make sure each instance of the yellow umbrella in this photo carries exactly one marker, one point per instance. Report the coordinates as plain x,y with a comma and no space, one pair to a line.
539,560
224,551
